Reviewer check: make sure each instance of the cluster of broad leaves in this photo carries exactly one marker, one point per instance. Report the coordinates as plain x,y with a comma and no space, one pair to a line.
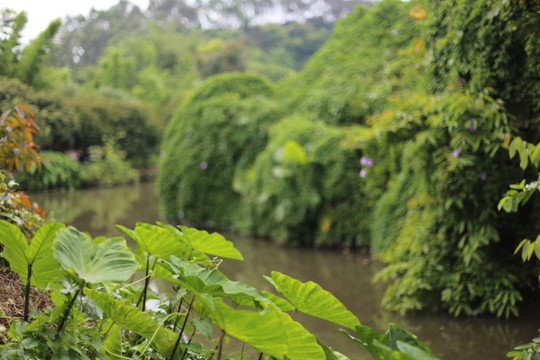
96,314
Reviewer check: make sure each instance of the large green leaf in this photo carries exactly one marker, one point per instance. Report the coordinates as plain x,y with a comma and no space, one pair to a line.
157,241
212,282
311,299
213,244
367,339
270,331
39,253
15,248
129,317
113,343
396,343
111,260
398,335
331,354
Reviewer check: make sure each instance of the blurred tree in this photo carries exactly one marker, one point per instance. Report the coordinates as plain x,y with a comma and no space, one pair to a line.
33,55
218,56
10,35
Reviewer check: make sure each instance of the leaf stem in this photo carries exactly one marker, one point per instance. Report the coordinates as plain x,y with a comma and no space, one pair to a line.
68,309
189,342
220,350
182,330
27,294
178,316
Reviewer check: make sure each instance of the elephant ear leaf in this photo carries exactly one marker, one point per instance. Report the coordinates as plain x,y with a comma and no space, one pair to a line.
129,317
38,253
213,244
111,260
15,248
270,331
312,299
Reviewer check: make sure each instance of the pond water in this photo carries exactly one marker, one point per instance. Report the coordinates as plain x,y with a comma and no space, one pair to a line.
346,275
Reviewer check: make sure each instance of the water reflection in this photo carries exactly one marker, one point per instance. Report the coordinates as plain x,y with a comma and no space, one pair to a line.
99,210
348,276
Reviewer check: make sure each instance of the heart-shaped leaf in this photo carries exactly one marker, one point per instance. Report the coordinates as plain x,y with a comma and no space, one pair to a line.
271,331
19,253
312,299
111,260
213,244
212,282
129,317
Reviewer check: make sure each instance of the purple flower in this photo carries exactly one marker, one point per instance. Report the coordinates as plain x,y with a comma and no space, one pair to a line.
181,215
456,153
472,127
483,176
394,32
204,165
363,173
366,161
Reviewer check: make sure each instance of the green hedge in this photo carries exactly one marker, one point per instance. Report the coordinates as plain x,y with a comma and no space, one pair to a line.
77,122
216,132
59,171
305,188
354,74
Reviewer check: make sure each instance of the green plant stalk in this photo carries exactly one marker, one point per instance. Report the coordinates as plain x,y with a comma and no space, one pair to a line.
68,309
242,352
188,343
182,330
146,283
27,294
220,349
178,311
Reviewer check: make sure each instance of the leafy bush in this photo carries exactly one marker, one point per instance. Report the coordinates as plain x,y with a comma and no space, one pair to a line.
59,171
450,171
216,132
353,74
78,122
102,117
305,188
107,166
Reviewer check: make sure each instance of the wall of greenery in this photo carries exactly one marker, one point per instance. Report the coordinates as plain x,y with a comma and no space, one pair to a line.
217,131
420,177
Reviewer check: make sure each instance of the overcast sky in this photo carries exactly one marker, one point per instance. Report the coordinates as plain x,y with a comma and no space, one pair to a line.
41,12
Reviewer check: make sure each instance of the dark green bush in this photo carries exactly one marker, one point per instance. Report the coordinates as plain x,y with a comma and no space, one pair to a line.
76,123
107,166
101,117
437,226
305,188
216,132
59,171
353,75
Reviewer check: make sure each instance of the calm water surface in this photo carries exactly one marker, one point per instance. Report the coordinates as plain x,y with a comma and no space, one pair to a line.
347,276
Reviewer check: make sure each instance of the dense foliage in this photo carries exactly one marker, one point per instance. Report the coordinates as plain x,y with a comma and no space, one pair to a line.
217,131
97,315
403,132
303,190
425,173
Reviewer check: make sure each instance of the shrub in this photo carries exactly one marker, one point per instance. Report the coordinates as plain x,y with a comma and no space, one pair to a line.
107,166
216,132
447,245
102,117
305,188
59,171
355,73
